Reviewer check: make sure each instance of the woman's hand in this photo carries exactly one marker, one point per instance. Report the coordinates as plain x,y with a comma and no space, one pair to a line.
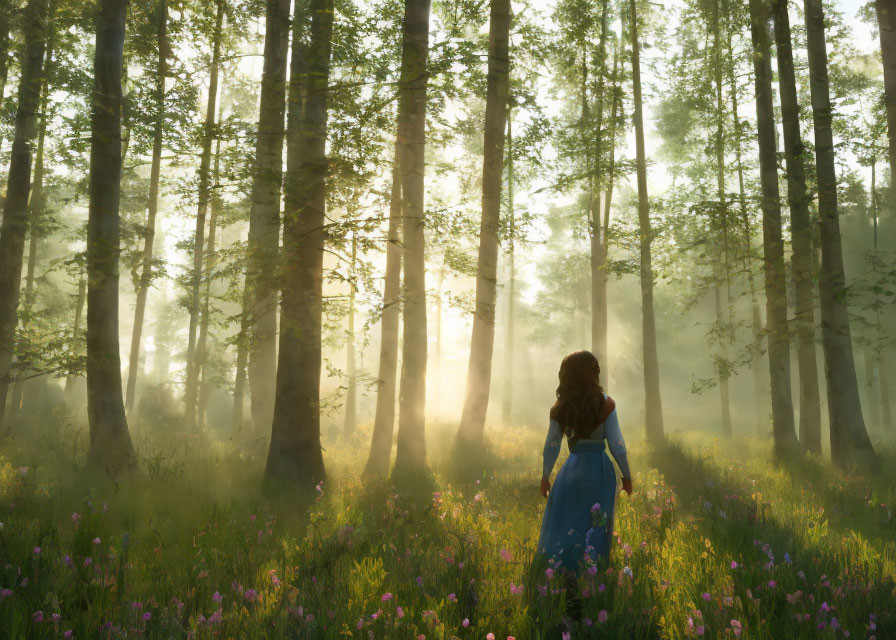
627,485
545,486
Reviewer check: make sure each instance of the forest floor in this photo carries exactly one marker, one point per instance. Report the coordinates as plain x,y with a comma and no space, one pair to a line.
715,542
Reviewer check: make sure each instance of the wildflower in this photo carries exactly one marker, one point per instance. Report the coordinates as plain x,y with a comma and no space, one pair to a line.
595,507
549,573
37,551
452,597
360,624
399,612
236,586
825,607
67,634
466,623
587,622
516,590
420,581
477,497
386,597
772,584
216,617
67,560
787,559
38,616
733,564
602,616
421,637
506,556
217,597
56,618
737,627
700,630
510,638
801,575
592,571
601,587
136,605
147,616
628,571
251,595
5,593
490,636
567,635
88,561
97,541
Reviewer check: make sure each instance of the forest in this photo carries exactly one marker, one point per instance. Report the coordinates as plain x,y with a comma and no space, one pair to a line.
250,247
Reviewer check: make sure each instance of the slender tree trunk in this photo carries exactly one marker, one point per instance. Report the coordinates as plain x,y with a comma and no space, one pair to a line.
773,243
596,230
110,442
722,296
507,395
886,414
411,445
603,326
871,397
295,452
191,395
653,401
5,12
755,352
798,198
76,336
15,214
264,217
479,373
242,360
351,392
384,421
152,207
849,438
884,383
209,267
886,23
36,206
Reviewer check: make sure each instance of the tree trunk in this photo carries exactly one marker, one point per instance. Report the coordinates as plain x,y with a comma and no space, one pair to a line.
596,229
507,395
384,421
76,336
886,23
801,231
209,267
191,394
883,381
351,392
4,55
652,402
773,242
870,396
722,297
295,452
110,443
264,217
36,206
411,445
479,372
849,438
152,207
15,214
242,360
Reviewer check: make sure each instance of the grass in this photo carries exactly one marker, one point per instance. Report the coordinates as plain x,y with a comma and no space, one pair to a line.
716,541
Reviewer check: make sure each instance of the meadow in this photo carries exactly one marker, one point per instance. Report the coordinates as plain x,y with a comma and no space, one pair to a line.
716,542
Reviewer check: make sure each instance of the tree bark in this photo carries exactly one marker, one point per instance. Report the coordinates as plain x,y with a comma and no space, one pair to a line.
479,371
15,213
4,54
295,452
801,232
351,392
264,217
652,402
886,23
209,268
152,208
191,394
384,420
110,443
849,438
509,341
76,331
773,242
722,297
411,445
596,229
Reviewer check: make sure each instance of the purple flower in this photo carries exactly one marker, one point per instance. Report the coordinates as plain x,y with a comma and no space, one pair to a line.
5,593
88,561
67,634
38,616
707,597
386,597
452,597
251,595
217,597
595,507
420,581
147,616
549,573
733,564
700,630
136,605
37,551
602,616
399,612
466,622
97,541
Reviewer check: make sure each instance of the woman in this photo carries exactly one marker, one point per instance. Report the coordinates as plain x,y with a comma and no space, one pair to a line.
578,519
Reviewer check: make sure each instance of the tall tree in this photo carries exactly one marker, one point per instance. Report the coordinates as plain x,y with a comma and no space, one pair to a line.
110,442
479,372
295,451
191,395
351,391
410,452
152,206
15,213
886,23
801,232
509,325
652,399
264,216
384,418
773,242
849,438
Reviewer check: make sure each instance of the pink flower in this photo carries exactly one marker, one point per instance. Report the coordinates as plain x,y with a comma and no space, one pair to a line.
516,590
733,564
37,551
602,616
452,597
700,630
466,623
399,612
97,541
67,634
38,616
490,636
421,637
386,597
567,635
76,518
251,595
595,507
592,571
147,616
587,622
506,556
707,597
772,584
56,618
136,605
217,597
549,573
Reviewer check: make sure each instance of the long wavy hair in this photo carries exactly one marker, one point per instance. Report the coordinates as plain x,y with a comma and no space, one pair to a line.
580,398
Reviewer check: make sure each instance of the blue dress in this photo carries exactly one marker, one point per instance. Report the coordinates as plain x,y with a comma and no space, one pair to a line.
578,518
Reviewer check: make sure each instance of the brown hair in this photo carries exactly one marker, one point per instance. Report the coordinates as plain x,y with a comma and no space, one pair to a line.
580,398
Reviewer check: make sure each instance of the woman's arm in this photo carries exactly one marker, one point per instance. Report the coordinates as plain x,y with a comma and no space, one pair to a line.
617,445
551,451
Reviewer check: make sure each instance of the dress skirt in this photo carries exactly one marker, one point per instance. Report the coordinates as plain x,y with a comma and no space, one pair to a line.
574,525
